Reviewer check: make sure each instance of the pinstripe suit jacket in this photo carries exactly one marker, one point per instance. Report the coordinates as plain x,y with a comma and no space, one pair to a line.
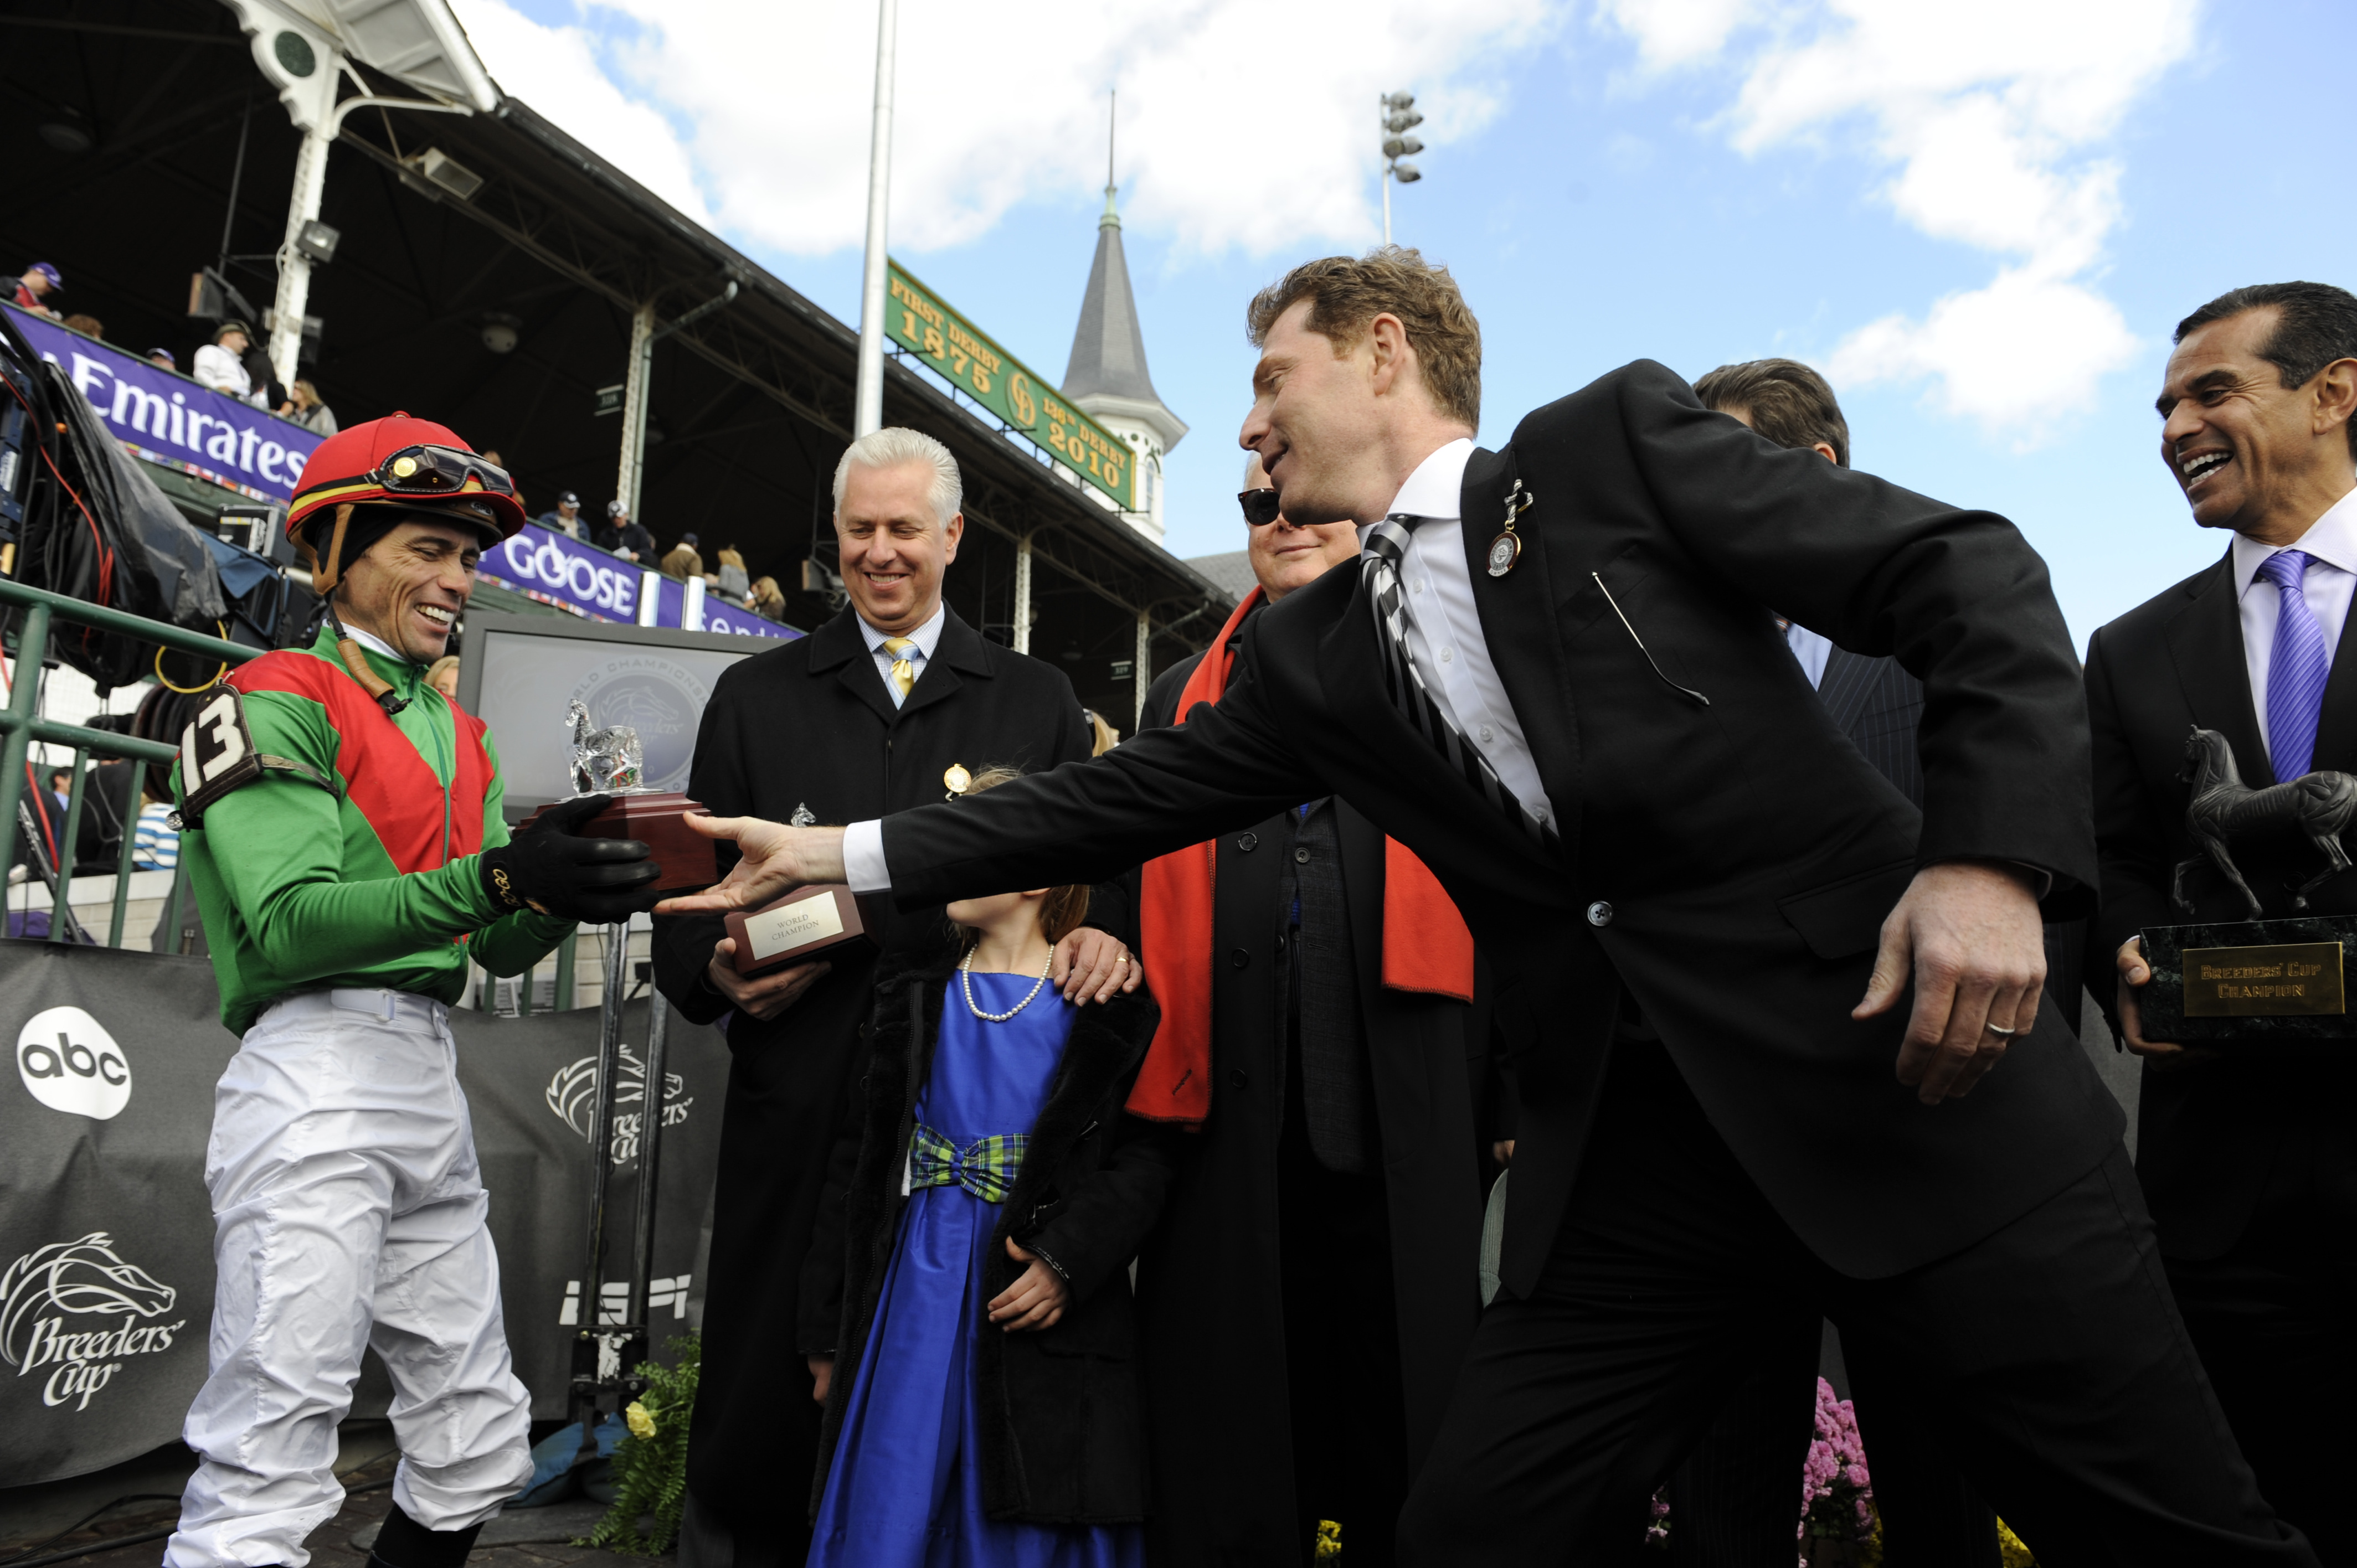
1876,704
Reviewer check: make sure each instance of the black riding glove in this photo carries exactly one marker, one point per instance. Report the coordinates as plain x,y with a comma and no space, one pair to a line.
549,867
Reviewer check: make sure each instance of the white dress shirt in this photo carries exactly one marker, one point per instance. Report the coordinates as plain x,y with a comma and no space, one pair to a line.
1811,649
927,638
2331,543
1444,629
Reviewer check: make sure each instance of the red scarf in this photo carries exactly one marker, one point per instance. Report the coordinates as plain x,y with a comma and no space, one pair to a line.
1425,945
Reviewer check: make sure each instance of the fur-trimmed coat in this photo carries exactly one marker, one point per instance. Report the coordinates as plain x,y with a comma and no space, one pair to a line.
1062,1429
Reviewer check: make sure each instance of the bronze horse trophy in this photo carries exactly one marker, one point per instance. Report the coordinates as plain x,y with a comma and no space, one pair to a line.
2316,805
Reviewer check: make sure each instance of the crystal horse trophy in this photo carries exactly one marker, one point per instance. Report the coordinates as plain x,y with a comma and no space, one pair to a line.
611,761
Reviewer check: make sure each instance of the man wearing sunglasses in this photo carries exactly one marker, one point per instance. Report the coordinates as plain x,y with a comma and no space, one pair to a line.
1339,1207
343,831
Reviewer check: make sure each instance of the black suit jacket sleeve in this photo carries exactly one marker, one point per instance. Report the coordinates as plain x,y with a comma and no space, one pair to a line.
1958,597
682,946
2131,844
1228,767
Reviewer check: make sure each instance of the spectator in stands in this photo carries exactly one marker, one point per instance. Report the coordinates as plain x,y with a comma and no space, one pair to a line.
442,676
685,561
88,326
769,600
61,787
304,407
269,392
220,364
156,842
733,585
566,518
39,282
624,535
164,357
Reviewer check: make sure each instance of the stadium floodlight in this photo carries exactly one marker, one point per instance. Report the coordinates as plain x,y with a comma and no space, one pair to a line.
1395,114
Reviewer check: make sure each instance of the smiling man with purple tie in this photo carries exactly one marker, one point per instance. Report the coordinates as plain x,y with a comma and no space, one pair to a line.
2249,1161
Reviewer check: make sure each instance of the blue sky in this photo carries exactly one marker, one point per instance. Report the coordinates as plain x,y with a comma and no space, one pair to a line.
1982,223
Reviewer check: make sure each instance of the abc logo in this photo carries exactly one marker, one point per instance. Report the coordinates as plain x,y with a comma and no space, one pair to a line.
72,1064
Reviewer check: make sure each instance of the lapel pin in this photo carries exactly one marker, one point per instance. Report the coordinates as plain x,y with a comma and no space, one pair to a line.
1506,549
802,817
958,780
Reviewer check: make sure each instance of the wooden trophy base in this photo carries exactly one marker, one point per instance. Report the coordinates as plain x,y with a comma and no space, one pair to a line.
805,924
686,857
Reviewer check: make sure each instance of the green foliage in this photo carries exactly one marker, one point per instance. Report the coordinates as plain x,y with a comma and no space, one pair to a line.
651,1461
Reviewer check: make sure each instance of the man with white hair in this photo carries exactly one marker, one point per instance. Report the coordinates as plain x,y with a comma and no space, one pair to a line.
895,702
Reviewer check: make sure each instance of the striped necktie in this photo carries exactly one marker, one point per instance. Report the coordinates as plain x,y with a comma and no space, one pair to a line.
904,669
1379,584
2298,668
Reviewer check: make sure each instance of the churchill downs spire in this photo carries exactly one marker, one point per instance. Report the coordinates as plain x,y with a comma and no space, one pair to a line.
1107,374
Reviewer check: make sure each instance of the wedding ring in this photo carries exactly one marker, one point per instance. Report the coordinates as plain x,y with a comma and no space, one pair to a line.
2005,1034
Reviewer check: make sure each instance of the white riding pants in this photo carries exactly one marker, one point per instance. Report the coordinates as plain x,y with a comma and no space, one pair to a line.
347,1212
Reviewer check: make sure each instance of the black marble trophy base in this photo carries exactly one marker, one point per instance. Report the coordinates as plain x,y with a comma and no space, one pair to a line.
2275,994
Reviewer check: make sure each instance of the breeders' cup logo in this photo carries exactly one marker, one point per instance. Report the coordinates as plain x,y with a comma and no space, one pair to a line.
76,1312
661,698
572,1095
71,1063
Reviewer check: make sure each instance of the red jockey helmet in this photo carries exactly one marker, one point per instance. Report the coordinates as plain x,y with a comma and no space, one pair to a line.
398,461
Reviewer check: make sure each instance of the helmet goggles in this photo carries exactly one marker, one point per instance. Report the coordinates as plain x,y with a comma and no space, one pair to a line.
439,473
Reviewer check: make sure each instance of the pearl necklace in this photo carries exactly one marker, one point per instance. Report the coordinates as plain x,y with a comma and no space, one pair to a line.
965,978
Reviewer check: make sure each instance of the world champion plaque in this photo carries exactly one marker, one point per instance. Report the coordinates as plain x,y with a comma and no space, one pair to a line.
2253,982
808,923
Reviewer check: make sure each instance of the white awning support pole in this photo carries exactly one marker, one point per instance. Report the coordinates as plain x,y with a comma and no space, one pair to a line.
1023,595
294,266
1143,668
634,407
868,415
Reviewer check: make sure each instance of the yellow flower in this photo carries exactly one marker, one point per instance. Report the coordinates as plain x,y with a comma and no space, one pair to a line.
2011,1548
1330,1539
641,1421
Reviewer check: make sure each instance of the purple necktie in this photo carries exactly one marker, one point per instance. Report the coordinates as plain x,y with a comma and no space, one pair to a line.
2296,668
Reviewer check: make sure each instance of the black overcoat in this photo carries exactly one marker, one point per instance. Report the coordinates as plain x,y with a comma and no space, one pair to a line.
1232,1457
809,725
1062,1432
1726,857
2213,1137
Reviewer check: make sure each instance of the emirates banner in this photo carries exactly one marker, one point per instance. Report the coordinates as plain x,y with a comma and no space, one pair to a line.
106,1272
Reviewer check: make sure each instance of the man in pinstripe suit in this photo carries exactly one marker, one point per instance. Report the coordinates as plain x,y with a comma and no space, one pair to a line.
1732,1503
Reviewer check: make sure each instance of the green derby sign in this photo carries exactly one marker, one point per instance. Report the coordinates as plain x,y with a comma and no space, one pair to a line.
916,319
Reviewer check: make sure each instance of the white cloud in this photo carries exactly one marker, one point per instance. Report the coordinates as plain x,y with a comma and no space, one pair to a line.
1227,141
556,71
1994,116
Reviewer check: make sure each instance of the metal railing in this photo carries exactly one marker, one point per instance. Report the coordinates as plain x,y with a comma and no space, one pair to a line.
20,727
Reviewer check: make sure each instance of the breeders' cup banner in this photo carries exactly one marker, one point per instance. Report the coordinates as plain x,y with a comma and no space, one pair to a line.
106,1272
168,419
543,565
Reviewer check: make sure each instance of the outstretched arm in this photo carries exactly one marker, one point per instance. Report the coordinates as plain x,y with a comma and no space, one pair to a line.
1229,767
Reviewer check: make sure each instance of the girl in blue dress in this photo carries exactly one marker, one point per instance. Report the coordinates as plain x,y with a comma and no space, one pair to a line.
969,1278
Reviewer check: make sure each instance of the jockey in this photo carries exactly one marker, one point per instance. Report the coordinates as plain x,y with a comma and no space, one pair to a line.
342,827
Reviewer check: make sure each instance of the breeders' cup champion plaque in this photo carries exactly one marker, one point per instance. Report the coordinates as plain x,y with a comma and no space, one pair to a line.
2258,980
608,762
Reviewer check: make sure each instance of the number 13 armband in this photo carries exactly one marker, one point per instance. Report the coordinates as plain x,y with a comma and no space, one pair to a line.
218,754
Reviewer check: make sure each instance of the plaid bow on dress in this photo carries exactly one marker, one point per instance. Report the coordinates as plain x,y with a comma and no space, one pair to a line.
986,1167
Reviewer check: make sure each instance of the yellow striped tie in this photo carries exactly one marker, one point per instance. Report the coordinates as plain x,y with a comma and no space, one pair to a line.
904,672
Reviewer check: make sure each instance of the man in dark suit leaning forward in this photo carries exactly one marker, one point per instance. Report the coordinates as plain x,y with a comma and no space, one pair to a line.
1553,679
2249,1156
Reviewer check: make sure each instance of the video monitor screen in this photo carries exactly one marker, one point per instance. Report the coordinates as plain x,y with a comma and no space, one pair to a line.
519,673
